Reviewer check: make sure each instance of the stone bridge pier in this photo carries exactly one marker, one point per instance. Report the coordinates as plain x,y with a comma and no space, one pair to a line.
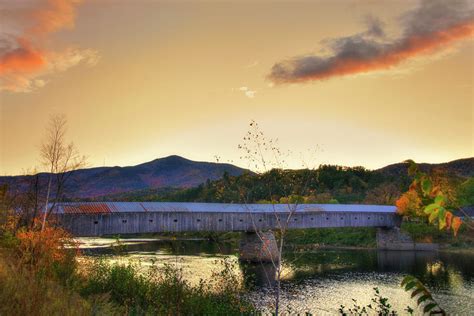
258,247
392,238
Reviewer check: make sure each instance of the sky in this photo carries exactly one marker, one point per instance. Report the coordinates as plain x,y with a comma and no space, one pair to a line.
367,83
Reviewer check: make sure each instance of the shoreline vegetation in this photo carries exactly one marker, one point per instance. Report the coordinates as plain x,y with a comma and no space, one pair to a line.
43,281
40,273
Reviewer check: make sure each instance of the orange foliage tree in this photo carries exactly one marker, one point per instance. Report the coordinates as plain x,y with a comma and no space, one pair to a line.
46,251
425,199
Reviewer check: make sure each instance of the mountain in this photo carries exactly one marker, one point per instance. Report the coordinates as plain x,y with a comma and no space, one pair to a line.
172,171
327,184
461,167
167,177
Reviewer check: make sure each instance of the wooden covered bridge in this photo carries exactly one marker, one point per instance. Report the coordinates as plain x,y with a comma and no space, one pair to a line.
122,218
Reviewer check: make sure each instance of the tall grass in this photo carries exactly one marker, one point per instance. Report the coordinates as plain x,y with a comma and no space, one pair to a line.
164,291
23,293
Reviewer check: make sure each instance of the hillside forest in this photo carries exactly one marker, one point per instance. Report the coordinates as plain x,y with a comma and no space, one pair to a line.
326,184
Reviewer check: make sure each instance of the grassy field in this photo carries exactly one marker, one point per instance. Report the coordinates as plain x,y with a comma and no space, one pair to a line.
347,236
366,237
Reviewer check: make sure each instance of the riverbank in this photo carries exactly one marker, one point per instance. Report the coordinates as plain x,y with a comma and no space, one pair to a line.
40,275
108,288
319,280
342,238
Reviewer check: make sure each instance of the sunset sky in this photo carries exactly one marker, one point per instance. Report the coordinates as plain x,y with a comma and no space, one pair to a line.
369,82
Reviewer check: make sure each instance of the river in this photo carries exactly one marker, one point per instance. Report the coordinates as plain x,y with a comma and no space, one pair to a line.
317,281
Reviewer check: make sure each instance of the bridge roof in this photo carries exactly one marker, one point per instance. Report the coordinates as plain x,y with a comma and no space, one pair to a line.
117,207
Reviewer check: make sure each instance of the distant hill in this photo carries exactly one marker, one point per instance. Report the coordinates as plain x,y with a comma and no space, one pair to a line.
172,171
461,167
327,184
175,178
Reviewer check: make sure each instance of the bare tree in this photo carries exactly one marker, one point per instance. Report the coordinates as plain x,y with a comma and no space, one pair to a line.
19,202
6,201
60,159
264,155
29,201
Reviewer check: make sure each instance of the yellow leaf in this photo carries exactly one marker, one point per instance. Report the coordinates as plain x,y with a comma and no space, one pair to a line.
433,216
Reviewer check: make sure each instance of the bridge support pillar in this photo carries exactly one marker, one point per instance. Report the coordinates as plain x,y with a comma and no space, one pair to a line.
258,247
392,238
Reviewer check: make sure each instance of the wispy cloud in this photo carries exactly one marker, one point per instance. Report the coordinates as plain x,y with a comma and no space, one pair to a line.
253,64
248,92
433,26
24,60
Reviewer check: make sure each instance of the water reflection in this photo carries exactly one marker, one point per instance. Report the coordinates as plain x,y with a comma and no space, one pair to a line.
258,274
317,281
348,274
190,247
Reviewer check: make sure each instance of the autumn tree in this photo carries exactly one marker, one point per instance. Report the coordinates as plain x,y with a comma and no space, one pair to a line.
425,199
384,194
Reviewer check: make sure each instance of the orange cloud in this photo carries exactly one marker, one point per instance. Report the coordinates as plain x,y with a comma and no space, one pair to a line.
411,48
426,32
23,61
54,16
427,44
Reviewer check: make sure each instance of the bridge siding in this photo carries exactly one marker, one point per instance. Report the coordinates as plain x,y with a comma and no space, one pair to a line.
139,222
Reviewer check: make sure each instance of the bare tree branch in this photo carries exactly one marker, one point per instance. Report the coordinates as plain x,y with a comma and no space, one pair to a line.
60,159
259,151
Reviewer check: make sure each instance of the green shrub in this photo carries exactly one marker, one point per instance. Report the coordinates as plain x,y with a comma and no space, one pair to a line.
347,236
466,192
424,232
164,291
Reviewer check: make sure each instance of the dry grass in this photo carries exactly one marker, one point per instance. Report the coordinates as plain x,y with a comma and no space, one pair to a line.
24,293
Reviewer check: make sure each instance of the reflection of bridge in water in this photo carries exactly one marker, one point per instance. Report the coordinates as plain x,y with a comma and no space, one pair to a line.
428,265
122,218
